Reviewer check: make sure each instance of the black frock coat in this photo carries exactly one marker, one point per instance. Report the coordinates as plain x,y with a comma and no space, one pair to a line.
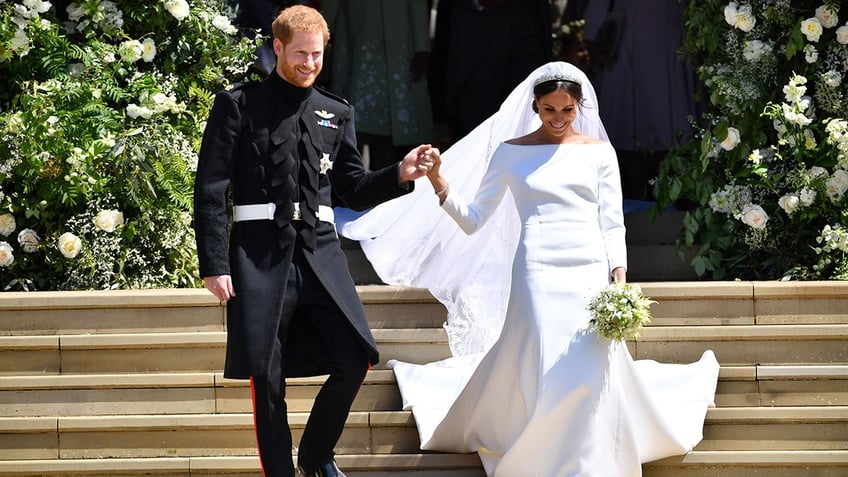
257,138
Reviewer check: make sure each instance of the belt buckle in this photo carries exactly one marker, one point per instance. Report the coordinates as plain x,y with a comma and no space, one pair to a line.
296,213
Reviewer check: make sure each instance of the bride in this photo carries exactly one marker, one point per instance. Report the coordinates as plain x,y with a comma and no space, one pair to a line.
529,387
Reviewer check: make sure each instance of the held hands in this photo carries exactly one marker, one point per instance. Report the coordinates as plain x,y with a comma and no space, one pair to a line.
221,286
417,163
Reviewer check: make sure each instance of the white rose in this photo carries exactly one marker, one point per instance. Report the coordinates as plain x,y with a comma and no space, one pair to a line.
131,51
827,17
108,220
842,35
789,203
837,185
812,29
29,240
7,224
6,255
745,20
730,14
70,245
148,50
754,216
731,141
178,8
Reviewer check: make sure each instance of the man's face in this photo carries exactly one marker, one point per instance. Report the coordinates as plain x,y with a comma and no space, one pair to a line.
300,60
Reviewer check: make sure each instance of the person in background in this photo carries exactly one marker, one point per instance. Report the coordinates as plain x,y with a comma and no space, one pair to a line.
481,49
284,152
647,91
380,56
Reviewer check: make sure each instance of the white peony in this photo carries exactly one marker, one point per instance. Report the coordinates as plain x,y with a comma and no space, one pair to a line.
29,240
131,51
754,216
108,220
812,29
7,224
6,255
70,245
732,140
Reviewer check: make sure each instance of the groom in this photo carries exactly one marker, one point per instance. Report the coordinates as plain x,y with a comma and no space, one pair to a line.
285,152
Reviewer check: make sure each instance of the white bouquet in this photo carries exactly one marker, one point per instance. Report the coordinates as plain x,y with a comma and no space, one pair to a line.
619,311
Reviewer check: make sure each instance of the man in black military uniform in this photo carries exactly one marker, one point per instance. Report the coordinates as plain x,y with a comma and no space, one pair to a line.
283,152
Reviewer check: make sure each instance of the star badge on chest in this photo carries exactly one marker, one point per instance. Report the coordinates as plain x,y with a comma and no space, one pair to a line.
326,164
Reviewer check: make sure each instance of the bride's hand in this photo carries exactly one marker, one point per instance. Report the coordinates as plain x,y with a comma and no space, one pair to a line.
433,158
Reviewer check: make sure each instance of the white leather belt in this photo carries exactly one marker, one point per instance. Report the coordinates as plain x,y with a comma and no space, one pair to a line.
242,213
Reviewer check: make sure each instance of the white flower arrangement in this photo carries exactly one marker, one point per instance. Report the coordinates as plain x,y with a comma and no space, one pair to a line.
767,165
620,311
96,170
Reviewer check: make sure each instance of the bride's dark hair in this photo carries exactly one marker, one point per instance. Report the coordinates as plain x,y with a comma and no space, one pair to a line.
571,87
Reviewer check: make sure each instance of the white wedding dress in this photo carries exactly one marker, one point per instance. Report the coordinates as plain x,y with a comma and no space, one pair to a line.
551,398
529,387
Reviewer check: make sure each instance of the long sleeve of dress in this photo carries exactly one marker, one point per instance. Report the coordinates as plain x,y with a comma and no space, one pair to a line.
471,217
610,213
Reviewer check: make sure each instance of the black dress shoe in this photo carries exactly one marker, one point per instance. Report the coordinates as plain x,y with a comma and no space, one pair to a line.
330,469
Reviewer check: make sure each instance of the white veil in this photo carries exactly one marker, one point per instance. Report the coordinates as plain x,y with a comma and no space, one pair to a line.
411,242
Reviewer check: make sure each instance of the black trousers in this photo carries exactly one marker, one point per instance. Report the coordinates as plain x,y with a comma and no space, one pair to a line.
307,299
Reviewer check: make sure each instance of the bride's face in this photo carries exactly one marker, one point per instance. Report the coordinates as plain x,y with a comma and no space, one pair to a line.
557,111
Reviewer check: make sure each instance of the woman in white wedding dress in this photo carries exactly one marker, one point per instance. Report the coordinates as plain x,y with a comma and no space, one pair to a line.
548,397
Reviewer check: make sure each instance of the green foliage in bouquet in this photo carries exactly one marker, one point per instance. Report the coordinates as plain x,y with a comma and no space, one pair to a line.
619,311
765,176
102,109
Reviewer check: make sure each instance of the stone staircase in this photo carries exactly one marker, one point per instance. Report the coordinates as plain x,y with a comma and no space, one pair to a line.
128,383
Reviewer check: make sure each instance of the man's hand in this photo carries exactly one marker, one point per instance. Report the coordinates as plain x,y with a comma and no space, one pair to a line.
221,286
416,163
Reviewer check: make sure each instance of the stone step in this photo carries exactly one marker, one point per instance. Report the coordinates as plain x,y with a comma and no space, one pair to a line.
204,351
694,464
377,432
210,392
389,307
180,310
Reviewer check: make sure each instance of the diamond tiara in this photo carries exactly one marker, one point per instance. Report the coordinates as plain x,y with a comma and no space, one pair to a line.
556,77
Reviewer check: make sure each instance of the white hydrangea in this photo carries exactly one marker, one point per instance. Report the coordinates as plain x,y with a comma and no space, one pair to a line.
837,185
755,49
811,55
223,23
807,196
131,51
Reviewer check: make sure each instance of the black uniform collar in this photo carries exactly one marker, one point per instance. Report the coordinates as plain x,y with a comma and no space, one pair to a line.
286,89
